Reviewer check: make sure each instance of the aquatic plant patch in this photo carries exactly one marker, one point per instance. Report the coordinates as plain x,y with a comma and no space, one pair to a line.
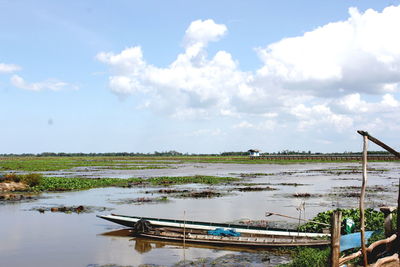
69,184
71,209
255,189
140,200
197,179
373,220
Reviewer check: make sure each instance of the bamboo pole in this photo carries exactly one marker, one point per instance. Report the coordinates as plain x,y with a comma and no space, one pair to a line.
335,238
362,197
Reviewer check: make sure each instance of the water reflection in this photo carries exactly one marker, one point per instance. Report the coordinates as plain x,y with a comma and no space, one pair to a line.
144,245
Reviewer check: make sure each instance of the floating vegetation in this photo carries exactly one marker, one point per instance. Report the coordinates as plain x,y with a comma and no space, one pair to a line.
301,195
253,175
168,191
141,200
196,179
254,189
291,184
71,209
201,194
354,191
46,184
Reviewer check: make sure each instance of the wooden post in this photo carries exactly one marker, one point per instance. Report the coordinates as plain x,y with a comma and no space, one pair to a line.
362,197
336,220
397,243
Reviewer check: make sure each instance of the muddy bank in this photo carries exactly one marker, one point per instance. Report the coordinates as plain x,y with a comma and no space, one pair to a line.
242,259
10,186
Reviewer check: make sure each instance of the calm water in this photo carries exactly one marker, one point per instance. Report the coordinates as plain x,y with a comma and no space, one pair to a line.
29,238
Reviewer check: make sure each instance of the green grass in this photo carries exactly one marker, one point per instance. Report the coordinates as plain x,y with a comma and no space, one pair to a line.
70,184
31,164
309,257
34,163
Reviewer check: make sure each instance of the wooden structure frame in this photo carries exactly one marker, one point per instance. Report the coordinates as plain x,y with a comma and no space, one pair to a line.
391,244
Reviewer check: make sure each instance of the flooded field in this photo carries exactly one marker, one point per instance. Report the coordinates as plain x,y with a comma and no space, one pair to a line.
34,234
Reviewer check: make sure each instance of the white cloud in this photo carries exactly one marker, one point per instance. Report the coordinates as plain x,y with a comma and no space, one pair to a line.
8,68
53,85
336,77
361,54
200,33
320,116
191,82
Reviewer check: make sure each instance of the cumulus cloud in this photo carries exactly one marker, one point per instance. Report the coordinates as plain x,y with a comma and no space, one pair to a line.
8,68
53,85
192,82
361,54
332,77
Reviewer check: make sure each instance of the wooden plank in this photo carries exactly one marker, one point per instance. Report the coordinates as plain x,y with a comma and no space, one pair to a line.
379,143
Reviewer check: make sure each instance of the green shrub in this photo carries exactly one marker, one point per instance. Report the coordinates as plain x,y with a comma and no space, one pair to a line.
373,220
31,179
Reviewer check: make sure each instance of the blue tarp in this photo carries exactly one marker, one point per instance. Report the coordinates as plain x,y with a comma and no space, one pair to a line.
353,240
223,232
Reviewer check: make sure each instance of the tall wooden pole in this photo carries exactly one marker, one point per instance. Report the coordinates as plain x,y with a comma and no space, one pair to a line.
398,223
397,154
362,197
336,220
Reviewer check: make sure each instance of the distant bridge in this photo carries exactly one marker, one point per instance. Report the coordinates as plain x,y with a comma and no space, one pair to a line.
376,157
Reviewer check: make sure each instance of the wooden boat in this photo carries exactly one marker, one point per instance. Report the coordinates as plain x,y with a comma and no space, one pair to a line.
198,232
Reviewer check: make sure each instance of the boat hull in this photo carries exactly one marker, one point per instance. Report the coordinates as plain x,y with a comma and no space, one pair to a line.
245,241
130,221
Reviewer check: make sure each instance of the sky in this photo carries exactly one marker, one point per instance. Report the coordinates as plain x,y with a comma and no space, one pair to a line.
198,76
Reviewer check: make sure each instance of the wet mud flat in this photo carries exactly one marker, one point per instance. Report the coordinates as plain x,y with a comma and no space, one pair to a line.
32,238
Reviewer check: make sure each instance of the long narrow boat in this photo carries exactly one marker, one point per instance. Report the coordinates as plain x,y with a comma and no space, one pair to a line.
198,232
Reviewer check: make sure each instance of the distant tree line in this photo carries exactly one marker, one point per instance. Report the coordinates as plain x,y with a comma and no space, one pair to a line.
176,153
